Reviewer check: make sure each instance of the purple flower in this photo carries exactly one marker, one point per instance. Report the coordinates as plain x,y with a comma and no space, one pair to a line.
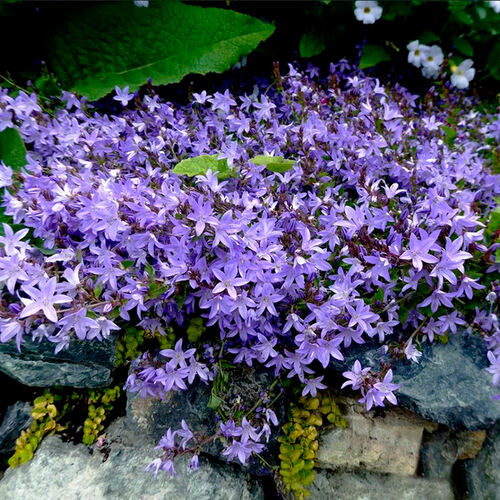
361,316
228,281
242,450
177,355
411,352
42,299
494,369
122,96
312,386
418,252
356,377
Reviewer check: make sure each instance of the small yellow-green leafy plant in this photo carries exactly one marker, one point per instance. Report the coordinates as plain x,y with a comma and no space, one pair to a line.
299,442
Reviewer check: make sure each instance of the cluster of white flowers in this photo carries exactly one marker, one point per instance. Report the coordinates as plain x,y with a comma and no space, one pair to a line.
367,11
430,60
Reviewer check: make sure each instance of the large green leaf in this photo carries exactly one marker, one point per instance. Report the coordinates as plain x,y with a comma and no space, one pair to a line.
105,45
12,149
311,44
199,165
372,55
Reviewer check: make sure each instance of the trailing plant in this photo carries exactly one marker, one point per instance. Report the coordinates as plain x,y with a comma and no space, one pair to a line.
59,409
299,442
338,211
100,403
45,421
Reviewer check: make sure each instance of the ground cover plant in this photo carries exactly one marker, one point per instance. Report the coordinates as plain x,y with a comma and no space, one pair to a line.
276,228
253,231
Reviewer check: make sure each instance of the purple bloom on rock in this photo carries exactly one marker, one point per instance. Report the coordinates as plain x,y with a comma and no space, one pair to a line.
42,299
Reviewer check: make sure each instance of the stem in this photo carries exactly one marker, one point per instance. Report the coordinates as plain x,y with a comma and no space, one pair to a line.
403,298
259,401
415,332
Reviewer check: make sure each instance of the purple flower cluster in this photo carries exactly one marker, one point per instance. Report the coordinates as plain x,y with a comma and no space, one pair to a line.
239,442
377,232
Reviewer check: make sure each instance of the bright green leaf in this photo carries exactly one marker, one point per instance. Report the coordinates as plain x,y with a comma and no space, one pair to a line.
274,163
109,44
199,165
12,149
372,55
311,44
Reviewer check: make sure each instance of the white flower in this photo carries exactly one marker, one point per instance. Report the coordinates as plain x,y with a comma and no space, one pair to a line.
463,74
417,53
367,11
141,3
432,61
495,5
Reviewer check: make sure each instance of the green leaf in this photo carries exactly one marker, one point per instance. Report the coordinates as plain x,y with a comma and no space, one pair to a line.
199,165
428,37
450,133
273,163
150,270
311,44
372,55
214,403
98,290
464,46
458,9
12,149
396,9
156,290
195,329
109,44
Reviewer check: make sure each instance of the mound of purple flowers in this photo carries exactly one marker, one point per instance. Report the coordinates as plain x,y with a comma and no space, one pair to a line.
378,231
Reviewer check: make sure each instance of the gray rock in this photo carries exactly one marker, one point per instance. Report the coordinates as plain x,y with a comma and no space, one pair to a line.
16,418
385,444
371,486
64,470
438,454
450,384
153,417
84,364
483,473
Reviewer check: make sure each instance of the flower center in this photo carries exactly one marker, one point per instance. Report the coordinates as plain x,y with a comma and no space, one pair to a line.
367,10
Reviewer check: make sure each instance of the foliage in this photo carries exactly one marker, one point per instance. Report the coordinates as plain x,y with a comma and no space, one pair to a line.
12,149
132,342
199,165
45,421
366,238
299,443
107,45
59,408
100,403
373,55
273,163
